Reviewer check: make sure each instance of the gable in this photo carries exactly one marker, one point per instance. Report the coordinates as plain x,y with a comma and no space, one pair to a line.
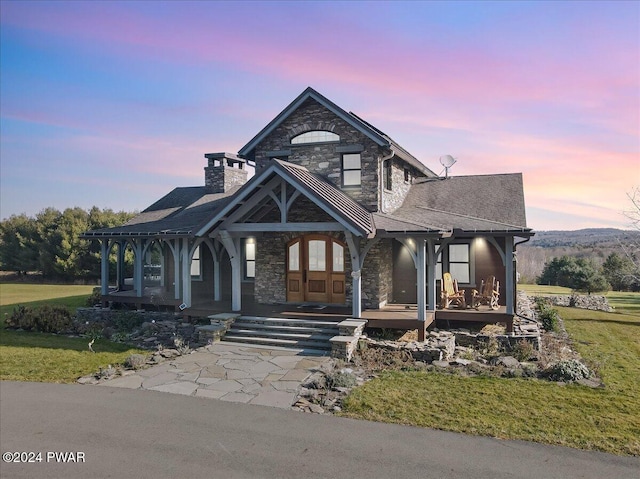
284,183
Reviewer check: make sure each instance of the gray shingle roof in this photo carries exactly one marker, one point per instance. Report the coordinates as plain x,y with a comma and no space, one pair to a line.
181,212
489,203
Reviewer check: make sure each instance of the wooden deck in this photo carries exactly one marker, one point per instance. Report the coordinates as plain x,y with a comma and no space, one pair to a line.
392,316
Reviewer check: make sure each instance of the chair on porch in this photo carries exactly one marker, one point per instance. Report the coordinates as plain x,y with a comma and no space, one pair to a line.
488,294
451,295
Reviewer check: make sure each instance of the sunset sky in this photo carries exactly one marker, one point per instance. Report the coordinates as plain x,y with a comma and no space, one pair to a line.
114,104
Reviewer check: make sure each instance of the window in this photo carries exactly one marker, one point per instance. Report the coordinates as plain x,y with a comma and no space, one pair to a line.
338,258
456,259
351,169
250,258
196,264
407,175
459,262
388,175
316,136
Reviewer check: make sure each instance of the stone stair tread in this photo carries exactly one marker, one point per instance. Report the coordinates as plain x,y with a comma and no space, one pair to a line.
279,334
291,321
276,342
278,327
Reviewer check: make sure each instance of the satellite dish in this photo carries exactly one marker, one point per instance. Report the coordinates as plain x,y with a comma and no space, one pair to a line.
447,161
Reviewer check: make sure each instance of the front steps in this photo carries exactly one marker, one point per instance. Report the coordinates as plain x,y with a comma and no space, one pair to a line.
291,333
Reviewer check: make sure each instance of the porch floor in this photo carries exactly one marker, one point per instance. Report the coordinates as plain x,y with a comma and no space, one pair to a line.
394,315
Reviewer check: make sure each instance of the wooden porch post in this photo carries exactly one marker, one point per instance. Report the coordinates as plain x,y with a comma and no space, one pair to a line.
120,264
186,272
356,275
431,275
217,256
232,245
138,268
421,278
509,274
104,267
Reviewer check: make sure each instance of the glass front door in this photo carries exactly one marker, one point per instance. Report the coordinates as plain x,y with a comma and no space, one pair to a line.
315,270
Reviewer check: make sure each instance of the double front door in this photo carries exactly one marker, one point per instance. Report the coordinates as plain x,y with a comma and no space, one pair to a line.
315,270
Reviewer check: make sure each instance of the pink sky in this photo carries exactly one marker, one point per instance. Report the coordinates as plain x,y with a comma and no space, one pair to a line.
113,104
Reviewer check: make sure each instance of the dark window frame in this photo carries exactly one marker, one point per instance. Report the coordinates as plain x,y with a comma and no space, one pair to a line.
343,169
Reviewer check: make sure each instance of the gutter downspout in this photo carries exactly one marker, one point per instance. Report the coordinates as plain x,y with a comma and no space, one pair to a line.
381,175
515,283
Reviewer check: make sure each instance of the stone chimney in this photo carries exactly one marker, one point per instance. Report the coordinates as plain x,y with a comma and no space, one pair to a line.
224,171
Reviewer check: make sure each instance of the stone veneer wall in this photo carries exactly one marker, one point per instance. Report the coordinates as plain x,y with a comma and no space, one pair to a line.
393,199
270,280
223,178
271,267
324,158
377,275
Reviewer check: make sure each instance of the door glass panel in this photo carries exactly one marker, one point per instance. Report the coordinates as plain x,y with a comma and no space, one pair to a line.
294,257
317,255
338,258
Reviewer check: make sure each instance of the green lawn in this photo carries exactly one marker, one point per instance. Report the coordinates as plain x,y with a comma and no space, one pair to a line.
576,416
26,356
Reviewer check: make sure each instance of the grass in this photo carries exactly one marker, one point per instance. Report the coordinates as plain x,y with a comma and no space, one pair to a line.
575,416
48,357
623,302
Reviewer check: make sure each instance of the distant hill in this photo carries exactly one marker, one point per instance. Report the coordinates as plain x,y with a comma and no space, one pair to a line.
584,237
592,243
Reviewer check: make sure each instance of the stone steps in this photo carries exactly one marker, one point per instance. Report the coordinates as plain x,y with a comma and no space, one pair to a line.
282,332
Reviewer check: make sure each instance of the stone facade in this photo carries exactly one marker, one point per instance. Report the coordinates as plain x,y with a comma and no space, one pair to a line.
324,158
224,171
377,275
400,184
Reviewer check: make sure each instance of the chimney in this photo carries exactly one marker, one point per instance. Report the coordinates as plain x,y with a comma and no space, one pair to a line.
224,171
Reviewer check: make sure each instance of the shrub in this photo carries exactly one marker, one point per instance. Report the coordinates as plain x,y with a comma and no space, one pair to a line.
548,315
95,298
135,361
523,350
341,379
126,321
46,319
567,370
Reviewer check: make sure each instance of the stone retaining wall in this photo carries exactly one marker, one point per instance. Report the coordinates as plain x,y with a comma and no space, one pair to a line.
582,301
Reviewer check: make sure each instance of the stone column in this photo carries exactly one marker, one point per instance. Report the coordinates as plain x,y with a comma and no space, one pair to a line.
138,268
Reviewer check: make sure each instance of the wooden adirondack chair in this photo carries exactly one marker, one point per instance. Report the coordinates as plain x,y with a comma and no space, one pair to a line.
451,295
488,294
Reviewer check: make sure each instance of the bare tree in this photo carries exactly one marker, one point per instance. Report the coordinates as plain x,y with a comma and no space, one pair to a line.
631,248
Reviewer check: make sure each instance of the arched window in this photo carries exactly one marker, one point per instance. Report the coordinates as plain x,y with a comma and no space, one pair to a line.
316,136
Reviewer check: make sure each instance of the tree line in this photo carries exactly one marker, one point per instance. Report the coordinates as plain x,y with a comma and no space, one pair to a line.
50,242
618,272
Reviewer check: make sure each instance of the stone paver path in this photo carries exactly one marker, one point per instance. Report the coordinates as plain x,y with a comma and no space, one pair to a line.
230,372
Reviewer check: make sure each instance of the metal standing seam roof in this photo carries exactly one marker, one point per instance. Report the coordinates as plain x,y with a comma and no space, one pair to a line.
331,196
323,193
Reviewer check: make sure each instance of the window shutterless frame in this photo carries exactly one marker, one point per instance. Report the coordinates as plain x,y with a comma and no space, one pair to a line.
351,169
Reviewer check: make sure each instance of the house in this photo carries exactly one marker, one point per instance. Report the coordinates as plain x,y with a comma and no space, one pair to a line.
337,214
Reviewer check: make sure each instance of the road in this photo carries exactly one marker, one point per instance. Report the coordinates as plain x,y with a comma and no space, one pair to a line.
125,433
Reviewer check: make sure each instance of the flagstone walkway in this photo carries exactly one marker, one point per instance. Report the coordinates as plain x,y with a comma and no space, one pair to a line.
230,372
